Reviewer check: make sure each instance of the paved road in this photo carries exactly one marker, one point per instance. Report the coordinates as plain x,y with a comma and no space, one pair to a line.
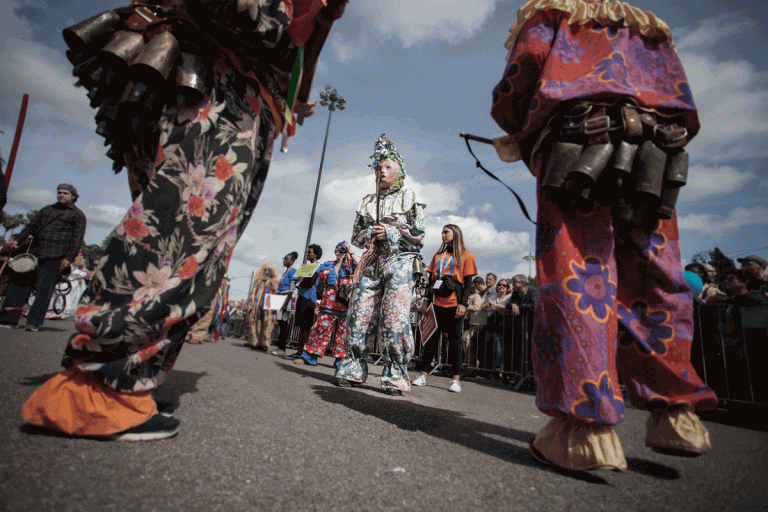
260,433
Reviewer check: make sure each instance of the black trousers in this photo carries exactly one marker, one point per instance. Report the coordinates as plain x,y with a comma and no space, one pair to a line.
451,326
21,286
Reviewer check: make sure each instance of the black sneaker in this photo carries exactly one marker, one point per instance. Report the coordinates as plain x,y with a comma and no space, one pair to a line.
167,409
32,328
155,428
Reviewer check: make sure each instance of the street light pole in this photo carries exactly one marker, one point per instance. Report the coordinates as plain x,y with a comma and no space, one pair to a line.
333,100
529,258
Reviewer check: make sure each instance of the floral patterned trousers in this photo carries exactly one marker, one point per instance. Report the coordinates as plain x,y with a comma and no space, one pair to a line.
379,309
328,326
602,301
166,259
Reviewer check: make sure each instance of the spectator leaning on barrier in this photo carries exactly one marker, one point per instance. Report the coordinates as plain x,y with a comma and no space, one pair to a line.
478,318
56,235
755,265
523,299
710,292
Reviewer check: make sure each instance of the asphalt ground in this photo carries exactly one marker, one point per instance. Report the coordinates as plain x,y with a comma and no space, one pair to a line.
261,433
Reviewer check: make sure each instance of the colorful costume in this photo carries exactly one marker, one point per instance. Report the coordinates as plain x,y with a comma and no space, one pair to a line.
589,78
259,321
219,311
331,322
380,304
196,176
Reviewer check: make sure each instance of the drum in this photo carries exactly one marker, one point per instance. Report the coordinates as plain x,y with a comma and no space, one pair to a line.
23,263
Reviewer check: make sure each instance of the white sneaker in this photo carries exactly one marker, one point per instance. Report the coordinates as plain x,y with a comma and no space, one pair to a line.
455,386
419,381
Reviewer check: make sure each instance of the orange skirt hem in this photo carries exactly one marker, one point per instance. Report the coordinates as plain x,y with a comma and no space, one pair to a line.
76,403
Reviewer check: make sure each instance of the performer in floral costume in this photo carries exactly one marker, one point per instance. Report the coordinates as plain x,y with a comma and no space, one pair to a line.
597,104
390,225
331,323
196,167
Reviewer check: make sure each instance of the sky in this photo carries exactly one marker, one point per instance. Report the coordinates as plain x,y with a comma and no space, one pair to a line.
420,71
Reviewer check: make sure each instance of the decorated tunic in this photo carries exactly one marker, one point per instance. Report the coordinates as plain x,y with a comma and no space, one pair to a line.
560,51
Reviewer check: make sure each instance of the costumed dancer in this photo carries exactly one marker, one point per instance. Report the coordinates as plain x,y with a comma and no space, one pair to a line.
450,274
219,311
597,104
196,168
259,321
390,225
334,280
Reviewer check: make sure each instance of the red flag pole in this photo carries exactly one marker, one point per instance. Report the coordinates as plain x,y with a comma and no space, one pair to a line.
16,139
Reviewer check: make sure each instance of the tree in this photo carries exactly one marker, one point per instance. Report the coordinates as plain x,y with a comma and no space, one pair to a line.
722,263
11,222
91,254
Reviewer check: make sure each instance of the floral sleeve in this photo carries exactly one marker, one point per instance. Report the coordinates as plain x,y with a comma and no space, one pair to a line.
361,232
409,236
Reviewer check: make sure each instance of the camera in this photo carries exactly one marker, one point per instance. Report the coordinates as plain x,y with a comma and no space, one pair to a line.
343,249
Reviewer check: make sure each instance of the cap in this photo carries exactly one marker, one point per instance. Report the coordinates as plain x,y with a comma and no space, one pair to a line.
753,257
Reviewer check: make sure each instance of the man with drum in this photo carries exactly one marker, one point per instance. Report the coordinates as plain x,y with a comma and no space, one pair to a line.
54,236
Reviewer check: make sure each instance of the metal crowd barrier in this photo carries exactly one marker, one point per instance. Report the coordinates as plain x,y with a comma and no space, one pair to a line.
729,348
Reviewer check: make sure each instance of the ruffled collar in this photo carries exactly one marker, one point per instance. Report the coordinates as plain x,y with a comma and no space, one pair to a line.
604,13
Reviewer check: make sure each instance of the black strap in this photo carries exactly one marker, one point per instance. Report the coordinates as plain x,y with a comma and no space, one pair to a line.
489,173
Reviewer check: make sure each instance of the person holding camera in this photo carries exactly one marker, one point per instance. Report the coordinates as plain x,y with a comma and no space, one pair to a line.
451,267
334,286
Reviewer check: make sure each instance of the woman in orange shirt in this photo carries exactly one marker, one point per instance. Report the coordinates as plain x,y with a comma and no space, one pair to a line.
450,269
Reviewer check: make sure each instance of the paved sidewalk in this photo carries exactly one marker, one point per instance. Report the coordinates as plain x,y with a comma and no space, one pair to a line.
260,433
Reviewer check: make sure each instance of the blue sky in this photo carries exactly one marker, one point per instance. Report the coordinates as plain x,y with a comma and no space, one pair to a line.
420,71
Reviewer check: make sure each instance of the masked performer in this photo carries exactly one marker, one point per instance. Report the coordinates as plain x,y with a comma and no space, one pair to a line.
390,224
597,104
196,169
259,321
334,283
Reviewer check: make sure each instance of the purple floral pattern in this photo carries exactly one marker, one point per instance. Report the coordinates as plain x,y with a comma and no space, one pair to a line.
594,291
649,329
599,405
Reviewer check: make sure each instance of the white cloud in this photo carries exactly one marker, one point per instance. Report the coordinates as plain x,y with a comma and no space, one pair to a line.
480,236
91,157
717,226
730,95
346,50
32,198
45,74
104,215
413,22
704,181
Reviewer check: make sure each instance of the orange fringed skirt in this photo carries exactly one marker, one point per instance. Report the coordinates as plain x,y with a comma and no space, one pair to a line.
76,403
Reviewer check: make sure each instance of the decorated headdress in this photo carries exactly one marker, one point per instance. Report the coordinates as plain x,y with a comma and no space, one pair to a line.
384,149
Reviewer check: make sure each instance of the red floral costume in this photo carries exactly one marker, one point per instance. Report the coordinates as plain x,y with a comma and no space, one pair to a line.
602,298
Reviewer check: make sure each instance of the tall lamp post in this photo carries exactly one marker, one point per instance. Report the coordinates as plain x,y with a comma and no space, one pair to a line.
529,258
333,100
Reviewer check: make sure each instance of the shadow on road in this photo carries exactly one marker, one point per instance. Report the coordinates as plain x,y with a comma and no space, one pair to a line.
448,425
178,383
